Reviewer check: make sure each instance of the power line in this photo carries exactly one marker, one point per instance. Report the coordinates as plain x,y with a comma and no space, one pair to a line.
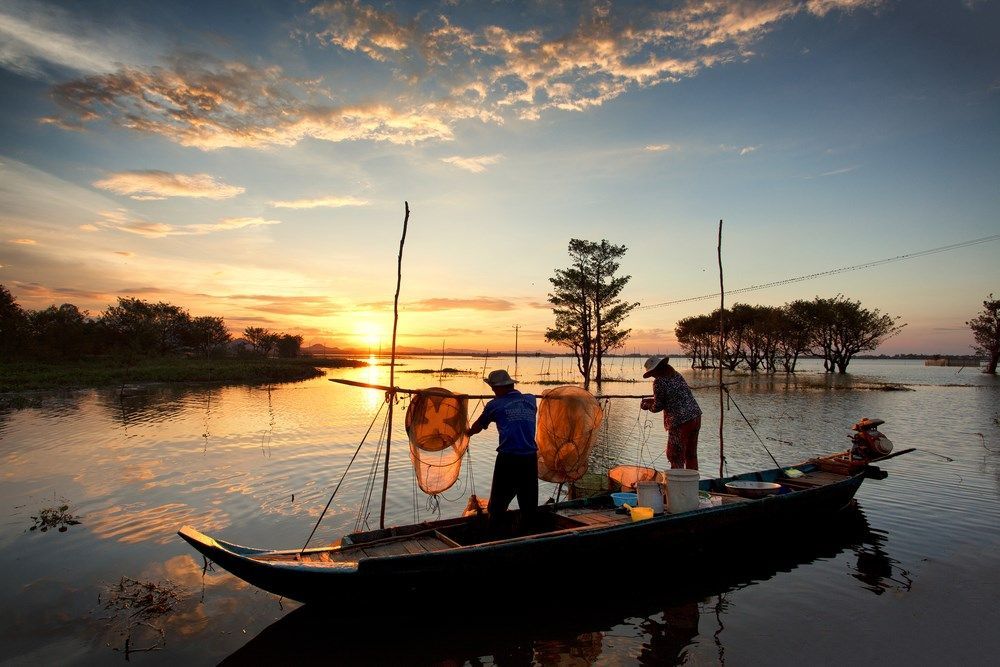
831,272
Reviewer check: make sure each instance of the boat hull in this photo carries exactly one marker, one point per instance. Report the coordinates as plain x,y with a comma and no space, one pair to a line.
543,559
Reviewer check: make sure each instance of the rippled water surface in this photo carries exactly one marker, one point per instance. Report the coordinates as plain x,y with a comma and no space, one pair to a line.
912,575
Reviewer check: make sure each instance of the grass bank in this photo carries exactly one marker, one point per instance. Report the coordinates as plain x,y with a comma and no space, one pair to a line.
35,375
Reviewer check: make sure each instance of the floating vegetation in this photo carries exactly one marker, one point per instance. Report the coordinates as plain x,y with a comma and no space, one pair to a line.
134,604
59,518
440,371
621,380
891,387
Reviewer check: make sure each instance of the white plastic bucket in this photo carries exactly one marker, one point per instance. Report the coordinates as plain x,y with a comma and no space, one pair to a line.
682,490
650,495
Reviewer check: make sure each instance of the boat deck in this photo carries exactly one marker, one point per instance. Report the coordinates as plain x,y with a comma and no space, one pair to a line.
461,533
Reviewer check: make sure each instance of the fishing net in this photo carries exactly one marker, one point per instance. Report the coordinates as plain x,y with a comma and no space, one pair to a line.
568,419
436,422
628,476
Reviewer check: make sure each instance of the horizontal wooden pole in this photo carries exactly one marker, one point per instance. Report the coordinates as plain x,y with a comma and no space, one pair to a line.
402,390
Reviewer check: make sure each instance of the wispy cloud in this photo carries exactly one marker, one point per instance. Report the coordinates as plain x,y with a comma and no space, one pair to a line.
746,150
23,241
210,104
151,184
35,37
845,170
445,71
332,201
657,148
437,304
124,221
476,165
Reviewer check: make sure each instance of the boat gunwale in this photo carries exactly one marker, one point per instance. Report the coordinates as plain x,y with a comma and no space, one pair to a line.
251,554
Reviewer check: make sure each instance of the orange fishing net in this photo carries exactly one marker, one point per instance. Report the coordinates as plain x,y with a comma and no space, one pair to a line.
568,419
436,421
628,476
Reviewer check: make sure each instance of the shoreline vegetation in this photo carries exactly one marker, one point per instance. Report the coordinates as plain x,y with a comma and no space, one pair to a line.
42,375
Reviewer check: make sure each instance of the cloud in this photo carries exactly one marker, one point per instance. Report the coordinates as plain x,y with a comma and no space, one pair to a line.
657,148
443,72
153,184
436,304
34,37
476,165
332,201
303,305
540,66
124,253
746,150
123,221
210,104
845,170
23,241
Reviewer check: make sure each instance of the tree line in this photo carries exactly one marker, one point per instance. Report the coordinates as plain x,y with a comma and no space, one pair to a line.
772,338
131,327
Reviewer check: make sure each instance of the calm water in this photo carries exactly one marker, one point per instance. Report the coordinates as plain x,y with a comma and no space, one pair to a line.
913,575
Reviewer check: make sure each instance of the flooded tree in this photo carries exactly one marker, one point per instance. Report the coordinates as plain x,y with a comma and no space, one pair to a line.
586,300
842,328
760,338
986,330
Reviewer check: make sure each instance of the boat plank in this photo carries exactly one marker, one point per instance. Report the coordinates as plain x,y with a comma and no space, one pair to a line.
431,543
414,547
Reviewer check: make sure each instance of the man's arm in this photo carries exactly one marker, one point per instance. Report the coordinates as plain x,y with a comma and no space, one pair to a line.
480,424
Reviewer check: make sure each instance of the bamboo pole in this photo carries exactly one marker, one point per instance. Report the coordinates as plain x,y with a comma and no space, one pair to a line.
392,364
722,348
403,390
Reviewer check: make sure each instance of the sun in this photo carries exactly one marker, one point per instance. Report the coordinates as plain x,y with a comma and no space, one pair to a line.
368,334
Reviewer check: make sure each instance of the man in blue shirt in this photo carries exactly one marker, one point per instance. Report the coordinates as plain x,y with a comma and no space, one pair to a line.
516,469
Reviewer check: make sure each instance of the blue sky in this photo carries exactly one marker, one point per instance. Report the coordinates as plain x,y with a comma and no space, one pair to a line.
253,163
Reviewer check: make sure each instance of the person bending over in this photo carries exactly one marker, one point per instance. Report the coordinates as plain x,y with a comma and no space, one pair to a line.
681,413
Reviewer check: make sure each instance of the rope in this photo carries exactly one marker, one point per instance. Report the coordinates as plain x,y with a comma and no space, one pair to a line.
761,440
349,463
370,484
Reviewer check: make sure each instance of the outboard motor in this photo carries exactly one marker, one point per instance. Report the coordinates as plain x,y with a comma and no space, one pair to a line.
868,442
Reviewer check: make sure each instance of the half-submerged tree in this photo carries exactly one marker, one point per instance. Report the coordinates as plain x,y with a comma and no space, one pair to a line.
587,305
986,330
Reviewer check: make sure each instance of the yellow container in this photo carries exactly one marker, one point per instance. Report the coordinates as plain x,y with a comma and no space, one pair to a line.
640,513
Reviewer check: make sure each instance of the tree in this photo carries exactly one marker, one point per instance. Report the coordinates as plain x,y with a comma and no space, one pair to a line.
263,340
855,329
289,345
587,305
574,326
986,330
144,327
207,335
65,332
13,325
609,310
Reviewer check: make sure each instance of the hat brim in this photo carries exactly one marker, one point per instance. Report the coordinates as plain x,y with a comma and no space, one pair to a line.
663,362
506,383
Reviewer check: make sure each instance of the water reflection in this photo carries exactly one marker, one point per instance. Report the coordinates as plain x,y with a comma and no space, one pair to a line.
668,614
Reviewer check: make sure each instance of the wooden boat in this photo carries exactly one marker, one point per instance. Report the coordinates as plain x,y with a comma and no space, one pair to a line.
443,558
